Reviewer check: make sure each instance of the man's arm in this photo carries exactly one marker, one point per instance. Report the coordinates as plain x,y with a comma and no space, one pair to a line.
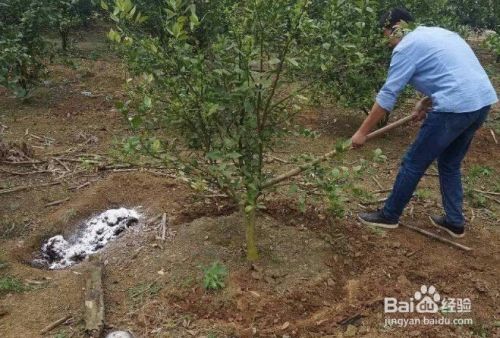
401,70
376,114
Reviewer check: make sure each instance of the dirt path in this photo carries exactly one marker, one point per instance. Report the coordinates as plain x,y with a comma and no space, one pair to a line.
320,276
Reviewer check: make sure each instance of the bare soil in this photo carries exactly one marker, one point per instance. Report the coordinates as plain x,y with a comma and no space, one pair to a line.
319,276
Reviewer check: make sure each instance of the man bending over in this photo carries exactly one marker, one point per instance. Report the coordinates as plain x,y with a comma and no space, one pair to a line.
458,97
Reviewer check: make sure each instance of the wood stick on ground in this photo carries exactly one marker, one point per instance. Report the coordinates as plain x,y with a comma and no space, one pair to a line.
163,226
42,138
153,219
58,160
55,324
25,173
51,204
94,301
437,237
78,187
326,156
487,192
22,162
26,187
381,200
492,198
377,182
494,137
382,191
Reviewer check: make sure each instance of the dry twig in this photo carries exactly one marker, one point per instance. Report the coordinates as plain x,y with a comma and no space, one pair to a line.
494,136
55,324
492,199
437,237
487,192
163,226
78,187
26,187
51,204
377,182
381,200
25,173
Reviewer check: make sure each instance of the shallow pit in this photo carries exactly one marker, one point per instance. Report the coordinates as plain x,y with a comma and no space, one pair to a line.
90,237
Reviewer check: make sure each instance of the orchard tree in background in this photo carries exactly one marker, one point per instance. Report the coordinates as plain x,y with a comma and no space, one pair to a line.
69,15
22,48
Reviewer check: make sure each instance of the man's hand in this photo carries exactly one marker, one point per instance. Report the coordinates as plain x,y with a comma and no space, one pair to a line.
376,114
358,139
421,109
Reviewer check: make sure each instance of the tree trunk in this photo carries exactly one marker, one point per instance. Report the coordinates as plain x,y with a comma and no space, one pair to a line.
64,38
252,252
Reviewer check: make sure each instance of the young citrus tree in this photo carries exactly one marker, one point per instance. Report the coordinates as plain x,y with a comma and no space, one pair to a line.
213,109
22,47
68,15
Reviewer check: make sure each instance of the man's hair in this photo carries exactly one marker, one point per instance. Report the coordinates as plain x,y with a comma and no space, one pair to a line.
395,15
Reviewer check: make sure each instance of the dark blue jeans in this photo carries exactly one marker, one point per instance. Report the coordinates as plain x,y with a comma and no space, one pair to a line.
445,137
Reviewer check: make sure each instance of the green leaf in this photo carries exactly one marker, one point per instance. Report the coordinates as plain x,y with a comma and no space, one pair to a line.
114,36
214,155
274,61
292,61
156,146
147,102
234,155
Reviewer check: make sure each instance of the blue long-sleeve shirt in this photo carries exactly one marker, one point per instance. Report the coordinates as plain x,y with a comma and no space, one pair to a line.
442,66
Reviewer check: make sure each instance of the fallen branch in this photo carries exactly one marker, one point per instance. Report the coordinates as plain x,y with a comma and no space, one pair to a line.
58,160
494,137
492,199
487,192
94,302
25,173
382,191
437,237
55,324
153,219
26,187
42,138
272,158
381,200
377,182
163,226
78,187
22,162
51,204
351,319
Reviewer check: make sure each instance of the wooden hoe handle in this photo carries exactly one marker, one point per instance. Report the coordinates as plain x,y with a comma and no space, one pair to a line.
308,165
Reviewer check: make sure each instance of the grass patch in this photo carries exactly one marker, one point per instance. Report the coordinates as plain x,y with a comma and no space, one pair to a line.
423,194
214,276
377,231
13,227
10,284
143,291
